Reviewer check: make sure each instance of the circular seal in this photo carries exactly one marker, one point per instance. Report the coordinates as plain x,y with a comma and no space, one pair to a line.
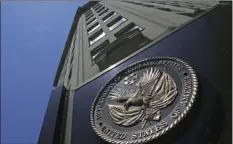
144,101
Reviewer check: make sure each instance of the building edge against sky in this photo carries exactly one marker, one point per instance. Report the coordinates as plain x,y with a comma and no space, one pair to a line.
105,32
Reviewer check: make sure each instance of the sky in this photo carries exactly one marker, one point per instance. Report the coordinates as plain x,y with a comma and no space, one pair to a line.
33,35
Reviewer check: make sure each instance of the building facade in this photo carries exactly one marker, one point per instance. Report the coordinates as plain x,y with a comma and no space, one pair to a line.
106,32
110,35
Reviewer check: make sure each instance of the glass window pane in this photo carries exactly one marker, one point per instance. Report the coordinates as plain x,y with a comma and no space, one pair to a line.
135,27
126,29
97,6
93,28
91,22
89,17
115,23
88,13
97,36
100,9
104,12
109,16
95,52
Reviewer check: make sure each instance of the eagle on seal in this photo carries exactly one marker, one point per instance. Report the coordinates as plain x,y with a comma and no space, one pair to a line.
155,90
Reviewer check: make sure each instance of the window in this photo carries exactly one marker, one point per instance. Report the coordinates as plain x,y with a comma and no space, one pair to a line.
71,61
97,6
97,36
137,3
152,1
173,4
126,29
135,27
148,5
109,16
92,28
95,52
100,9
70,74
91,21
164,9
103,12
160,2
61,78
143,4
187,6
89,17
66,60
116,22
187,14
88,13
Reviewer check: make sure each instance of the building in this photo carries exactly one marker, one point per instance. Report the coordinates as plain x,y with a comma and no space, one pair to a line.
107,36
105,32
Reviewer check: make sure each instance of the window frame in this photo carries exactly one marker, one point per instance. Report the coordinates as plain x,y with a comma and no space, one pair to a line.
93,28
91,21
126,29
108,18
100,9
116,22
105,11
89,17
96,37
97,6
98,49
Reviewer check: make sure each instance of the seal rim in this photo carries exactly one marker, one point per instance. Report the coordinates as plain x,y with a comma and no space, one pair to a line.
164,131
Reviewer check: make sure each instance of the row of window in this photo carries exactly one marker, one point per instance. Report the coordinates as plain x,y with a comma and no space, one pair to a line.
94,20
177,4
101,10
97,6
89,14
93,28
116,22
70,72
94,25
106,15
138,3
62,77
100,34
97,36
111,25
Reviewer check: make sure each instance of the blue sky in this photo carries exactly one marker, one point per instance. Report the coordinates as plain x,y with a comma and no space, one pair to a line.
33,37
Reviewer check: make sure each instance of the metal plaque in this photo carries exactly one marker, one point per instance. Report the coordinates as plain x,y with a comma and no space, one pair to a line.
144,101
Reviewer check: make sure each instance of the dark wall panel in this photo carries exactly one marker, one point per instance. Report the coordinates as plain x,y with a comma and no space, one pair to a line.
50,131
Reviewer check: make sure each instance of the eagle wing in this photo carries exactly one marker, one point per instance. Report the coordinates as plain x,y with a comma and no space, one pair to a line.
147,82
164,92
125,117
120,94
118,113
154,86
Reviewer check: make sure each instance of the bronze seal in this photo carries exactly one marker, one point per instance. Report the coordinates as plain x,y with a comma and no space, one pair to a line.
144,101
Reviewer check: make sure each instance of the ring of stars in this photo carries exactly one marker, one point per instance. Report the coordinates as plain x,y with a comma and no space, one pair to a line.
130,79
